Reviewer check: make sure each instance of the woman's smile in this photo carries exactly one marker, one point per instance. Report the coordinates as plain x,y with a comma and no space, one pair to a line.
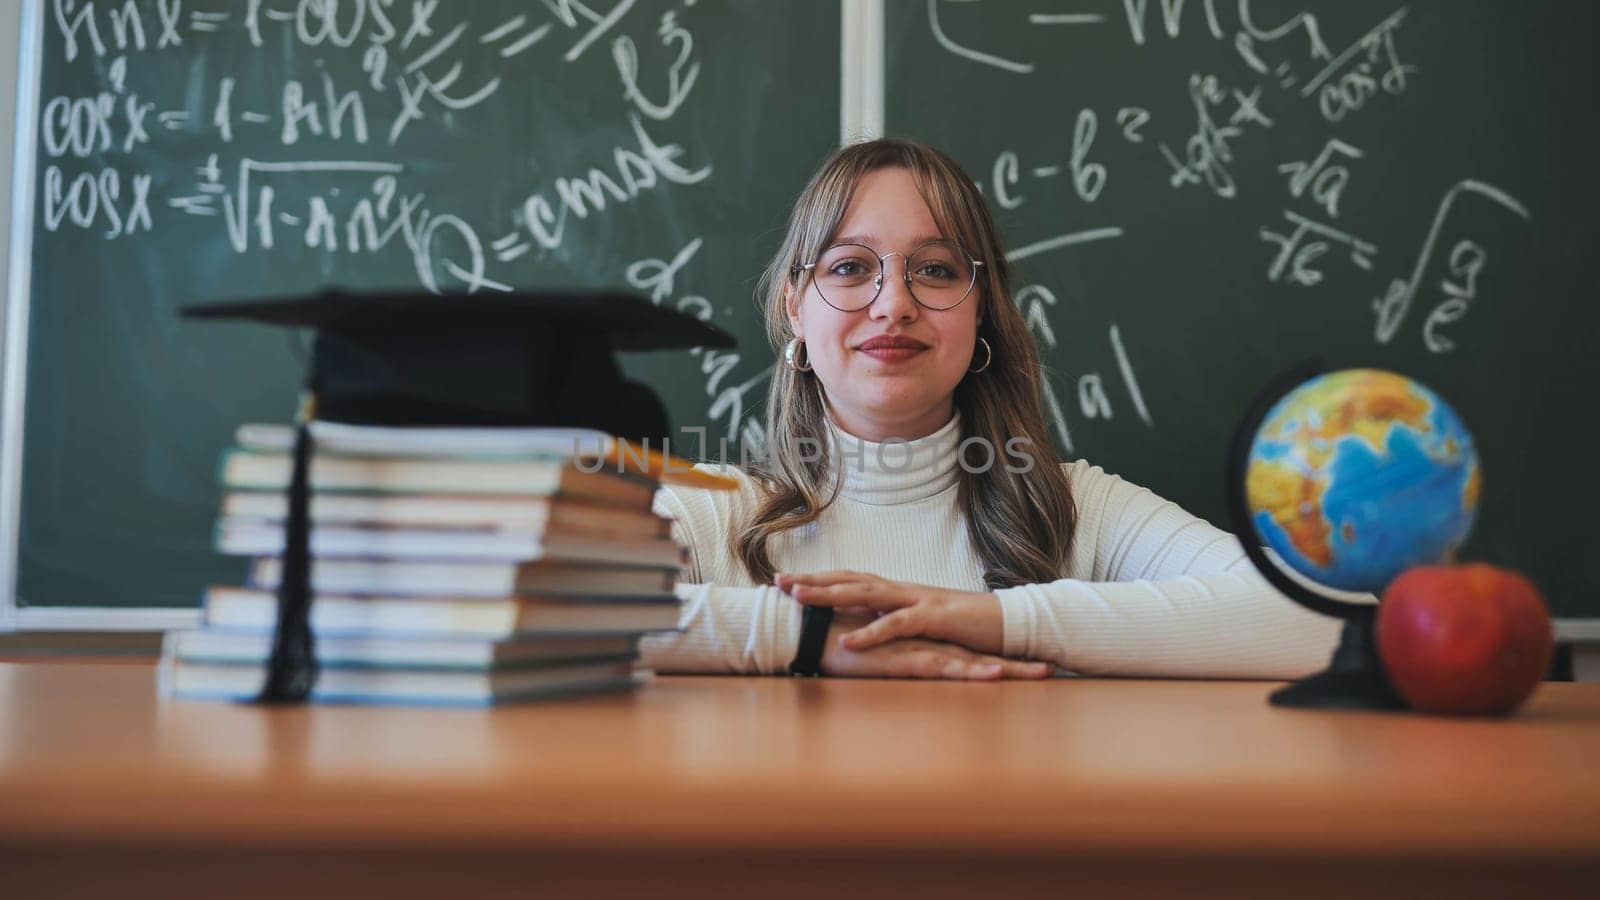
891,348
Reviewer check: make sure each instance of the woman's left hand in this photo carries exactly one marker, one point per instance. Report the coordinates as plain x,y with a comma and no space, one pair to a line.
904,609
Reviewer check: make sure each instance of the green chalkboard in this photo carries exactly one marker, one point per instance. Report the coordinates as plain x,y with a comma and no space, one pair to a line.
1199,195
188,154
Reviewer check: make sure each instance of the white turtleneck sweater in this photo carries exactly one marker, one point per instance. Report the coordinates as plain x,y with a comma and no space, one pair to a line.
1149,589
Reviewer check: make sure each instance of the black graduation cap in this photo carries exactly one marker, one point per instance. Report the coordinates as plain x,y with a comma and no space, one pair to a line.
524,359
491,360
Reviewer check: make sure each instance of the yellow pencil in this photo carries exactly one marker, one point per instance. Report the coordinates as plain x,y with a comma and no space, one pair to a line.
665,468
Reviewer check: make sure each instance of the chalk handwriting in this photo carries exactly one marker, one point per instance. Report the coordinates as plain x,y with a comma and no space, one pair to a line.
81,22
681,75
1209,150
169,13
1065,240
1351,78
79,126
1466,262
1135,11
1325,178
446,252
1299,248
637,170
1132,119
336,115
1036,302
1088,178
1033,301
514,36
1004,179
1250,33
415,86
413,64
658,278
978,56
95,200
569,12
318,23
1171,17
1065,19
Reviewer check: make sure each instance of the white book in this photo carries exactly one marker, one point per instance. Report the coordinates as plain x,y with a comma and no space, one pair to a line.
245,469
473,579
379,651
376,440
250,610
249,537
480,445
533,514
210,681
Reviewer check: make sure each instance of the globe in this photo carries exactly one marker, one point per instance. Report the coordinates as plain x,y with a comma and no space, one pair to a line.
1359,474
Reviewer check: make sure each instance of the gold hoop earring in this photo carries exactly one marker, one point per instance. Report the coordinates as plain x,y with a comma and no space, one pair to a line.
792,353
988,357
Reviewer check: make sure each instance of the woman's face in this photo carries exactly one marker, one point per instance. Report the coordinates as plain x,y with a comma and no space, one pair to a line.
889,370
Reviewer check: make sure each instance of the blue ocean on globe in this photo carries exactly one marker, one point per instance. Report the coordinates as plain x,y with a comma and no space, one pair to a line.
1357,475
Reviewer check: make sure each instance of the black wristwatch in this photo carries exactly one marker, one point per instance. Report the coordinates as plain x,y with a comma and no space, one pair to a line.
814,624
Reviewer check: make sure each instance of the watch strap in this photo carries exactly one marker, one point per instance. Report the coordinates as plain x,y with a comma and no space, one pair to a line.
814,624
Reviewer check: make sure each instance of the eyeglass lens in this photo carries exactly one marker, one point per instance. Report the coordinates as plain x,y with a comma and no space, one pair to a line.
850,276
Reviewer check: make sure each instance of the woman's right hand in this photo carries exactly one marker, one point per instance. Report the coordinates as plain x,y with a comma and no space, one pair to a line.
918,658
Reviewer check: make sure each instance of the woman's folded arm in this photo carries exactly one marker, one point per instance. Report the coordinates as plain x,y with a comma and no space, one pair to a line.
1219,625
1158,591
745,630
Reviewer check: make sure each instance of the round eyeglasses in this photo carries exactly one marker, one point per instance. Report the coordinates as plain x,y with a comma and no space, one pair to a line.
849,277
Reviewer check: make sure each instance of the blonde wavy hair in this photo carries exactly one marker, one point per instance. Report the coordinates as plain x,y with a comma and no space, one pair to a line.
1020,523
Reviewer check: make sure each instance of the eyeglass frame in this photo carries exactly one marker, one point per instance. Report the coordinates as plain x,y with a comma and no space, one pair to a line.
883,270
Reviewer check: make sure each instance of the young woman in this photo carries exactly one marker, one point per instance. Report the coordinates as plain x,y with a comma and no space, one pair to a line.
909,481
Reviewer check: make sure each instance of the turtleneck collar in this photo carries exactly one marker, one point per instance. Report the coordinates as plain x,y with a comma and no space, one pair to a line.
896,472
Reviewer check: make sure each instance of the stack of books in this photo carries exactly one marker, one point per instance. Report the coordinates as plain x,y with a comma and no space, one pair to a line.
448,566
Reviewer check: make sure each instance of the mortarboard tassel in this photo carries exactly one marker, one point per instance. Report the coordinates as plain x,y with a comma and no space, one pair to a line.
292,669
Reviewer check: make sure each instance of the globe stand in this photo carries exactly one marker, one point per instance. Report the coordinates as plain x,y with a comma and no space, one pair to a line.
1354,678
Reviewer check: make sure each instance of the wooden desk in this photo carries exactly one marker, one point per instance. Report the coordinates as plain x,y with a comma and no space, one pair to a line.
778,787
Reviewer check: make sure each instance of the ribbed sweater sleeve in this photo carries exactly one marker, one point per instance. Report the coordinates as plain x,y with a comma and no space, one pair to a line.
722,629
1152,590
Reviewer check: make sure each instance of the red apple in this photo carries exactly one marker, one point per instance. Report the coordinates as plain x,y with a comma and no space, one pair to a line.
1464,640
